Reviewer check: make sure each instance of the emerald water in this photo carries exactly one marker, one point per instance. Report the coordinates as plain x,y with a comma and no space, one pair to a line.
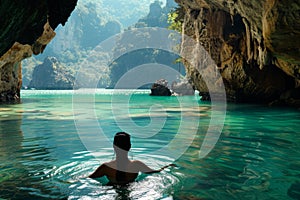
44,157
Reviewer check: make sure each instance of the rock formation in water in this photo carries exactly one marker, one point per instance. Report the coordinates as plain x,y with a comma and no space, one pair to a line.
51,75
255,45
182,88
26,29
160,88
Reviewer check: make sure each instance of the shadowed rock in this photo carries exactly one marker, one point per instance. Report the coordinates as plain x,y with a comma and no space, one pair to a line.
160,88
26,28
255,46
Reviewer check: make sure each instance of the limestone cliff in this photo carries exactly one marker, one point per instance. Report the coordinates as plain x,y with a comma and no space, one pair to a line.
255,45
26,28
52,75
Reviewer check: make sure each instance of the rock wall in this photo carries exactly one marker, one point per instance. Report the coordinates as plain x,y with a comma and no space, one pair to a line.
26,29
255,45
51,75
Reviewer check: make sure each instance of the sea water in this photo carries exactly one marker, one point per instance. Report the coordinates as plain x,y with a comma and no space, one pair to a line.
53,140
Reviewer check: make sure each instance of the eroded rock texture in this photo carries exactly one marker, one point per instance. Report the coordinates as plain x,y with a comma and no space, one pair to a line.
255,45
26,28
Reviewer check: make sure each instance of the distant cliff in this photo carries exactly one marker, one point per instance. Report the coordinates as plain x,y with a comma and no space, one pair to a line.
87,27
26,29
255,44
157,17
51,75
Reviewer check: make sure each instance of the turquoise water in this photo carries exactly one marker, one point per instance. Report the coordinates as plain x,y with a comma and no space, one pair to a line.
45,156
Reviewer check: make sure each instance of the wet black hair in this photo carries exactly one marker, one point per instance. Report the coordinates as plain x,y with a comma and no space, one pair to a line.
122,140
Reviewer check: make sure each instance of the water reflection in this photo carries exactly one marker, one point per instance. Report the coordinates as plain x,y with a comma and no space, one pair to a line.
11,137
22,160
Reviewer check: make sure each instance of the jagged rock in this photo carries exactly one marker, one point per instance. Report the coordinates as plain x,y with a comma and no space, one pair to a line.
182,88
51,75
255,45
24,23
26,28
89,29
157,16
160,88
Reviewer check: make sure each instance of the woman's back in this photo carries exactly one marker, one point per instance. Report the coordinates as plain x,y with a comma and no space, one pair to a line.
122,170
120,173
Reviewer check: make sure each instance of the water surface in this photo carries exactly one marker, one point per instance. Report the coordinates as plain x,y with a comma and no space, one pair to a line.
43,156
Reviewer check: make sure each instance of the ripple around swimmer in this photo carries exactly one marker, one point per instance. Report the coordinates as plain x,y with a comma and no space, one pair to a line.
77,186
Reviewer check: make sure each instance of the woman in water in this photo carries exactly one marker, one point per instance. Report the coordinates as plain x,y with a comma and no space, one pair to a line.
122,170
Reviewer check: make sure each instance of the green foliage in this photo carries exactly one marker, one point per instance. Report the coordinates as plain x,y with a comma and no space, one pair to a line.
157,17
91,23
174,20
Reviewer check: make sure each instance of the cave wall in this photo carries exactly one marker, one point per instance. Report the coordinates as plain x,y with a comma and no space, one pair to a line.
255,45
27,26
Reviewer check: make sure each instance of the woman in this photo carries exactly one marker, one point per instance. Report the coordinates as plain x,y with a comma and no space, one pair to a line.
122,170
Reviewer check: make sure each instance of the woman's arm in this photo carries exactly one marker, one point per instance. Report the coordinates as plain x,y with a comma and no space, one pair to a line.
142,167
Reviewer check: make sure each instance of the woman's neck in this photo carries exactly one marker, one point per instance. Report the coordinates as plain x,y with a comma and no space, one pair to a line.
122,156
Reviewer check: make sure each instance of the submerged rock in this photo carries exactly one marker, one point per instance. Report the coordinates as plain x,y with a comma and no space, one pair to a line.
51,75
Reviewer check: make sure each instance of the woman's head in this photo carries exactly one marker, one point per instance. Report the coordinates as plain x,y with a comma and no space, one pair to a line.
122,141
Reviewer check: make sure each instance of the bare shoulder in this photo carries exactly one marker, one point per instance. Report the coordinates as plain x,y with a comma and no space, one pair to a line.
100,171
140,166
137,163
110,163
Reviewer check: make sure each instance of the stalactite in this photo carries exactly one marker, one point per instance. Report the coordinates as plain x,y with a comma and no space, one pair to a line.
248,40
253,60
27,29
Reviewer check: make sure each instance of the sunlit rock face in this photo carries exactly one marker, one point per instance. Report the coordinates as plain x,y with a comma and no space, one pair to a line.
26,29
255,45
